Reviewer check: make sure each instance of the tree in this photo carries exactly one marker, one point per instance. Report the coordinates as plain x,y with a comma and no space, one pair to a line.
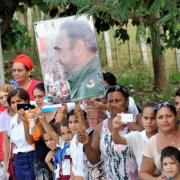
161,16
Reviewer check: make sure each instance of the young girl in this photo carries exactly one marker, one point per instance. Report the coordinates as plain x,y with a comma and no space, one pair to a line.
61,155
170,162
19,134
5,119
135,139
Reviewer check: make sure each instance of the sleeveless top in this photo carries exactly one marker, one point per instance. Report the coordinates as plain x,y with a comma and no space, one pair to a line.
94,171
120,161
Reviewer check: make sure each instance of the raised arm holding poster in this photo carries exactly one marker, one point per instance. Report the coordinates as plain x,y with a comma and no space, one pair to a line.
69,59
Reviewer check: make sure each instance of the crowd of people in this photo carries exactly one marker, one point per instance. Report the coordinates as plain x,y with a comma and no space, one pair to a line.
90,143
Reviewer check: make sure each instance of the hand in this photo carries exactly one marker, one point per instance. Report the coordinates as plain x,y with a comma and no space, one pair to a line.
21,115
40,115
62,109
83,137
117,122
92,103
49,156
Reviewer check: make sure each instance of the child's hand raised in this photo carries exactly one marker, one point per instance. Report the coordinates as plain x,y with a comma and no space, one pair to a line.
83,136
49,156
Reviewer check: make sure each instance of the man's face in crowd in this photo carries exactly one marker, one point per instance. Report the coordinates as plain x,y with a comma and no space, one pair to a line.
177,104
65,56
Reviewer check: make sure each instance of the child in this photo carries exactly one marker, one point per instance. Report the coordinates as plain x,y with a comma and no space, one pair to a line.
170,162
76,147
61,155
136,140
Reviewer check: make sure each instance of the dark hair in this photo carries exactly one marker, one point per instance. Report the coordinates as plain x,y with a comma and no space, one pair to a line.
109,78
71,113
148,104
64,122
23,94
40,87
118,88
165,104
172,152
177,92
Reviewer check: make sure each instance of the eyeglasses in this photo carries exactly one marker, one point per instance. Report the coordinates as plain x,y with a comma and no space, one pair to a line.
164,104
116,88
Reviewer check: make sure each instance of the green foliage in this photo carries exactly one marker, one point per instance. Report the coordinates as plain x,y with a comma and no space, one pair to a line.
17,38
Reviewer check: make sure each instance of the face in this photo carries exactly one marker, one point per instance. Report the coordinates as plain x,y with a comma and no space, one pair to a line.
65,56
38,97
50,143
171,167
20,73
165,119
177,105
3,98
73,124
94,117
148,120
16,100
118,102
66,133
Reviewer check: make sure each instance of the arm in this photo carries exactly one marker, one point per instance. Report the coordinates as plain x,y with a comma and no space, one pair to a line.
61,113
48,160
92,150
29,138
147,169
6,149
21,116
115,132
80,115
49,130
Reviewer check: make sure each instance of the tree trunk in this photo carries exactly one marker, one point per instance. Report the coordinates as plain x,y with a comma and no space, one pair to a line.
161,76
2,81
116,47
8,18
108,49
177,51
143,51
129,50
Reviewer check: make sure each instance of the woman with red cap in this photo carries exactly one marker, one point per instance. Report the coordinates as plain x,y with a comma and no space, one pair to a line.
22,67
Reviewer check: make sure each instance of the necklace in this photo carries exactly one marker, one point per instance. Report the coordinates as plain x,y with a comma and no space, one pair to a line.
172,142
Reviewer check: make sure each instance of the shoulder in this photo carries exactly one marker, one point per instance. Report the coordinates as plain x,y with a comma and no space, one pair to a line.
35,82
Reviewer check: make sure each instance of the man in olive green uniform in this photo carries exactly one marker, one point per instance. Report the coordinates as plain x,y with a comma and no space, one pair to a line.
76,57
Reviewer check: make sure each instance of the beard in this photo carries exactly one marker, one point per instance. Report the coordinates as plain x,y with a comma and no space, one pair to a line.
66,70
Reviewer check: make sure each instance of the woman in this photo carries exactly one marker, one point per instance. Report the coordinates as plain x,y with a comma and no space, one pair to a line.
168,135
119,160
22,67
19,134
5,119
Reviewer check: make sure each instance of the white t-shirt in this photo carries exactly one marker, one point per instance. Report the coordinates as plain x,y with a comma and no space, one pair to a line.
17,136
137,140
77,155
5,119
